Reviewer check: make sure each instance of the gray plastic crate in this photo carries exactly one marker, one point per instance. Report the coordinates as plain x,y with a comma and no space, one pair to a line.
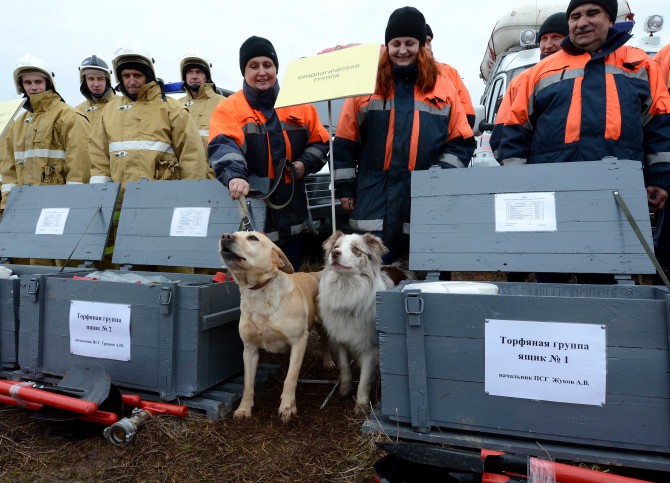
84,237
433,345
183,334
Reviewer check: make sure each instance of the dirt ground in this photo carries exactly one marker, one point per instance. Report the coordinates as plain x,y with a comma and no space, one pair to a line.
320,445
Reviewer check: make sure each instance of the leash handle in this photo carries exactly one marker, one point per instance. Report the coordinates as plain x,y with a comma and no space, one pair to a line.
280,174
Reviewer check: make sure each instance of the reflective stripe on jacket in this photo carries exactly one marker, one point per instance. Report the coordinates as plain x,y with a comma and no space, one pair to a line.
46,146
575,106
200,108
149,138
379,142
240,145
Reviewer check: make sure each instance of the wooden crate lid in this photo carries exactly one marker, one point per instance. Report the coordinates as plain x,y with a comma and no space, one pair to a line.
453,220
143,235
91,208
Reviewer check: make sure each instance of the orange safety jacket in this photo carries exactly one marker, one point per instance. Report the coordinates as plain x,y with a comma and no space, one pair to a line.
663,60
578,106
379,142
243,142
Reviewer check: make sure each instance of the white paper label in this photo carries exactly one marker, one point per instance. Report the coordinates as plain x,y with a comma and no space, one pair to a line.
547,361
100,330
190,221
52,221
525,212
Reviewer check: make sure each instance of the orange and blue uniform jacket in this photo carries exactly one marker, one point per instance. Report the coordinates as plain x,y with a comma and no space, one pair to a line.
464,95
663,60
580,106
246,140
379,142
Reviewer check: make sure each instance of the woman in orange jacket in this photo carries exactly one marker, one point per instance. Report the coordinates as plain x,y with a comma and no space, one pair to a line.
414,120
248,136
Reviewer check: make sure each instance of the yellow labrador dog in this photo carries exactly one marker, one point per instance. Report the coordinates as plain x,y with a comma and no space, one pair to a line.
278,307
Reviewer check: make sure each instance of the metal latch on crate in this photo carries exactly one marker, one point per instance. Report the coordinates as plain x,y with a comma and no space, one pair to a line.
416,361
413,306
164,300
34,287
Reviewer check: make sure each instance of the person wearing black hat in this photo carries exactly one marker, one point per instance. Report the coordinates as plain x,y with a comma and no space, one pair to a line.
552,32
455,78
413,120
595,98
201,95
248,136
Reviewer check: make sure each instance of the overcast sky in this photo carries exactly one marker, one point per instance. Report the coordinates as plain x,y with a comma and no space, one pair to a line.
63,32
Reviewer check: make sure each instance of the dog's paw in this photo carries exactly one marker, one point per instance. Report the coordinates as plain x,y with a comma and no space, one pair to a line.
287,411
361,409
242,413
345,388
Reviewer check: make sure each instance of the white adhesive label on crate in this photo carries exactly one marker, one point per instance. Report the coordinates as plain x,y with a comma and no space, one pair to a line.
546,361
525,212
100,330
52,221
190,221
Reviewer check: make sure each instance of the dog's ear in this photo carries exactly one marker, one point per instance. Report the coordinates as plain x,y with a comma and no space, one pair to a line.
330,241
282,262
376,245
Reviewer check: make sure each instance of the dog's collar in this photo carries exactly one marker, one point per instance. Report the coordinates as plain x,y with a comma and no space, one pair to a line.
261,285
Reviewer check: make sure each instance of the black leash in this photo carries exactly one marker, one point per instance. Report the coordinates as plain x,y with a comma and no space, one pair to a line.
258,194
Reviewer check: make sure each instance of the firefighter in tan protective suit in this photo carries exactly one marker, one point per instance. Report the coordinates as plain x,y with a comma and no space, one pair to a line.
143,134
96,86
201,95
47,144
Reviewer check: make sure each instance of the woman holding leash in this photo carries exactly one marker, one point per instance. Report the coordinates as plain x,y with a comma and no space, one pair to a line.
412,121
248,136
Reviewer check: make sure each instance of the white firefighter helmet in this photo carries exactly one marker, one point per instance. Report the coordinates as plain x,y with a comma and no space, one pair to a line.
94,63
195,58
133,55
30,63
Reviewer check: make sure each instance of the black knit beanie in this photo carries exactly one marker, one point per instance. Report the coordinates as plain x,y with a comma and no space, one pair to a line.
556,23
406,22
610,6
257,47
429,32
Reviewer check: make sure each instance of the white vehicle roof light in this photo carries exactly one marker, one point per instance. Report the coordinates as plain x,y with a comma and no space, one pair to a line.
653,24
528,38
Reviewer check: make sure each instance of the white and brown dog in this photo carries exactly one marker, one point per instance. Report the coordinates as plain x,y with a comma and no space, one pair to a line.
350,279
277,309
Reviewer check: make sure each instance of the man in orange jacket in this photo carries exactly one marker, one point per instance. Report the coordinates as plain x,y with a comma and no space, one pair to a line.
574,105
